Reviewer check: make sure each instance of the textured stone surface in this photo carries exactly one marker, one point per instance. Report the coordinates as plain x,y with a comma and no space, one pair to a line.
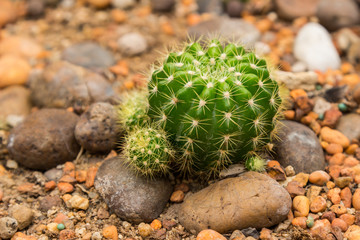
96,130
8,227
349,125
131,197
23,215
300,148
45,139
251,200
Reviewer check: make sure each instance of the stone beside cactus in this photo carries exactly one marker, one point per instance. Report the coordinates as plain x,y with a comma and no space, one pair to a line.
218,104
148,151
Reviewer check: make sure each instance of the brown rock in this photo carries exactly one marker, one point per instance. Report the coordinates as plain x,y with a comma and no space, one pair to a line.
299,221
331,117
338,209
294,189
318,205
291,9
251,200
356,199
346,196
26,142
321,229
301,178
319,178
313,192
337,159
330,216
177,196
348,125
67,234
51,185
110,232
13,70
14,100
334,195
48,202
337,222
90,177
348,218
65,187
334,136
343,182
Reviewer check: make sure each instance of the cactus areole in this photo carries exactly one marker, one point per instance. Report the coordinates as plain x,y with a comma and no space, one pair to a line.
218,104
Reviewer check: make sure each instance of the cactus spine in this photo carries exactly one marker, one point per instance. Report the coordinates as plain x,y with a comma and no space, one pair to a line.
218,104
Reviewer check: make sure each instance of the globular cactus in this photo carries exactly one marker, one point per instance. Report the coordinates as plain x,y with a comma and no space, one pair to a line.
148,151
132,111
218,104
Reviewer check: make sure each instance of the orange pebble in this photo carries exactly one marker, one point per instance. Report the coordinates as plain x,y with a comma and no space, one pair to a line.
155,224
273,163
90,177
346,68
25,187
348,218
351,162
337,159
289,114
80,176
351,149
299,221
60,218
338,222
110,232
51,185
193,19
209,234
68,168
296,93
167,28
334,148
118,15
65,187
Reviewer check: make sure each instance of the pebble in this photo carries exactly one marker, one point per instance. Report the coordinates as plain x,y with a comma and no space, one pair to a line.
334,136
65,187
251,232
356,199
22,214
21,46
162,5
25,143
299,221
299,80
299,147
335,15
49,202
240,195
343,182
237,30
132,44
8,227
292,9
313,46
337,222
96,236
209,234
177,196
99,3
348,218
123,4
331,117
110,232
352,233
334,148
67,234
301,206
14,70
349,125
8,12
234,8
313,192
321,229
334,195
120,197
318,204
53,174
35,8
144,230
88,55
301,178
52,227
11,164
97,129
210,6
338,209
14,101
63,85
294,189
22,236
319,178
78,202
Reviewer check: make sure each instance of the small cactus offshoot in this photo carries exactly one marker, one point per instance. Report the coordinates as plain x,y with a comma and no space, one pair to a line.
218,104
148,151
255,163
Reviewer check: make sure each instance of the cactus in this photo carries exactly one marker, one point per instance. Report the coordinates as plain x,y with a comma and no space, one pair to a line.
148,151
218,104
132,110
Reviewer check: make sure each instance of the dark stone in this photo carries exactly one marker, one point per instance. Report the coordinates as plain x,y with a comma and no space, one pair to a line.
162,5
300,148
335,94
130,196
64,85
89,55
44,139
251,232
48,202
97,130
234,8
35,8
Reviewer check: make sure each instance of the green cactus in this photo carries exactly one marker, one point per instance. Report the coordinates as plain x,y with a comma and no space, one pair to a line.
148,151
132,110
218,104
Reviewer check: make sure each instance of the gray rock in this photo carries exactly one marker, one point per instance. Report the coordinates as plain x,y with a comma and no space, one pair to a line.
321,106
300,148
131,197
22,214
49,202
349,125
8,227
63,85
89,55
251,200
334,14
162,5
132,44
230,29
53,174
291,9
210,6
96,130
313,46
14,101
45,139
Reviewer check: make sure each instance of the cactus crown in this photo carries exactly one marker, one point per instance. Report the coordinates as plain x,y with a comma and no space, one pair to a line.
219,104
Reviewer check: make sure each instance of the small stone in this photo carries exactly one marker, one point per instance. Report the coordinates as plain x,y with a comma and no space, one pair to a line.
295,189
301,205
11,164
299,221
156,224
338,209
334,195
301,178
331,117
337,159
313,46
78,202
356,199
110,232
177,196
66,234
96,236
67,179
162,5
8,227
330,216
132,44
234,8
13,70
48,202
53,174
352,233
99,3
337,222
348,218
14,101
22,236
90,177
168,224
209,234
52,227
237,235
22,214
301,80
348,125
145,230
289,170
65,187
313,192
321,228
333,136
343,182
318,204
251,232
20,46
319,178
292,9
334,148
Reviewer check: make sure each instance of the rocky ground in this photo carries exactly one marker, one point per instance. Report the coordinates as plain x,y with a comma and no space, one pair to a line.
65,64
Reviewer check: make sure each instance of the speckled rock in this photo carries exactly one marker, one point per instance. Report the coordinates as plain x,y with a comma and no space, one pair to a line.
300,148
63,84
349,125
232,29
45,139
251,200
131,197
23,215
96,130
89,55
8,227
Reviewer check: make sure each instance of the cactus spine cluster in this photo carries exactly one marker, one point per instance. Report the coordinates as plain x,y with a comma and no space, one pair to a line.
218,104
148,151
